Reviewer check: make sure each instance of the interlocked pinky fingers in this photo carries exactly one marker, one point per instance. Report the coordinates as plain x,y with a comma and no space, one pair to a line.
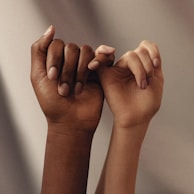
104,56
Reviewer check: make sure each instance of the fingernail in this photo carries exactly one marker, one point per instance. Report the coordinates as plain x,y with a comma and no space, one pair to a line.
52,73
107,49
156,62
78,88
144,84
93,65
63,89
48,30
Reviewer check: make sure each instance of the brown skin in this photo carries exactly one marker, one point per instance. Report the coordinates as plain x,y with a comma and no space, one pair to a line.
72,112
133,89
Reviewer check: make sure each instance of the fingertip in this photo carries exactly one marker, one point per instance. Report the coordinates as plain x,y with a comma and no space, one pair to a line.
50,30
63,89
156,62
144,84
52,73
42,44
93,65
47,37
78,88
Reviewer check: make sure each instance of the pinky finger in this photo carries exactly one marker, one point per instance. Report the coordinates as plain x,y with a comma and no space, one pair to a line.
101,60
104,49
104,56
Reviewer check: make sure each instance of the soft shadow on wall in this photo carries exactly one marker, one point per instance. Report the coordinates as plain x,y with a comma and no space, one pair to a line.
14,175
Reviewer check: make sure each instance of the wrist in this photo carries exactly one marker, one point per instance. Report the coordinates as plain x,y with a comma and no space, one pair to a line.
70,128
126,121
69,141
66,160
130,124
134,134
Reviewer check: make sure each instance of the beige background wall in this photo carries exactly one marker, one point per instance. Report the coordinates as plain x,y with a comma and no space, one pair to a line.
167,159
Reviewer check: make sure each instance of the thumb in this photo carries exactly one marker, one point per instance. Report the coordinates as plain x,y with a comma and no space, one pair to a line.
39,54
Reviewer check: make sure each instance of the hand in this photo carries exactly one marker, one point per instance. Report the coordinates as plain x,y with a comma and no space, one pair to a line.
68,92
133,86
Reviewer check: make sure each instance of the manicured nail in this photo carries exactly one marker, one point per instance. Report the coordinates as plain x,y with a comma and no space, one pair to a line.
52,73
63,89
156,62
144,84
106,49
47,31
93,65
78,88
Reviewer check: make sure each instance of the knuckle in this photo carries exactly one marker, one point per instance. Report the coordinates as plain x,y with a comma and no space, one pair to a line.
86,50
154,44
56,44
72,46
144,42
86,47
35,46
59,41
142,51
101,47
131,54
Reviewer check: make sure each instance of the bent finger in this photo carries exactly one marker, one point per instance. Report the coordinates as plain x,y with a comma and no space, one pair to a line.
86,55
146,61
104,55
131,62
101,60
55,57
68,73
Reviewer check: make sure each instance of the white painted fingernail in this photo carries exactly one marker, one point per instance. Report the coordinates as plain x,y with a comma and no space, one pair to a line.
78,88
63,89
47,31
144,84
93,65
52,73
156,62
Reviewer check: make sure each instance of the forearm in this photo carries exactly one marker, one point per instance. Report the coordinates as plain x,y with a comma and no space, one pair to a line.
120,169
66,162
